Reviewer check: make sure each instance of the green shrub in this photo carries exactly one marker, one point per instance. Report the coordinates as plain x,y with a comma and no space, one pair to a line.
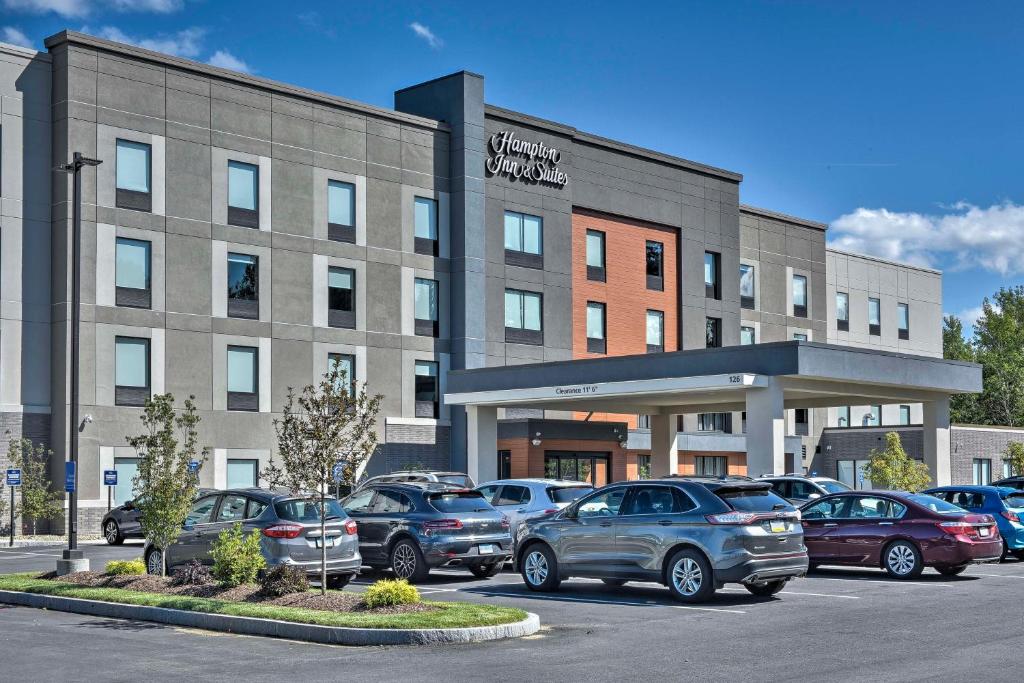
236,557
283,580
126,567
389,592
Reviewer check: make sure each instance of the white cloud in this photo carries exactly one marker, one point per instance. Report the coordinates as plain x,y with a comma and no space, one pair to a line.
186,43
965,236
82,8
426,34
14,36
226,60
158,6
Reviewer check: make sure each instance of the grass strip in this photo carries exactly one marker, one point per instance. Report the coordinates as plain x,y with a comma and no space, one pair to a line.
447,614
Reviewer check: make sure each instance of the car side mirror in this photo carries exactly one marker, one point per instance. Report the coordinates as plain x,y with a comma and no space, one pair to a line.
189,525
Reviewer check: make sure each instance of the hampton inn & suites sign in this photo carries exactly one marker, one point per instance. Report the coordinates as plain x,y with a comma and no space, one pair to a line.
509,156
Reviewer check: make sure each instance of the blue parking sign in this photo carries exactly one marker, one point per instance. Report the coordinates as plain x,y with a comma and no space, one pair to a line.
13,477
110,477
338,472
69,476
193,466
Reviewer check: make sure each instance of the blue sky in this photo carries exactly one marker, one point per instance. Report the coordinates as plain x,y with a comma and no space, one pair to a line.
896,122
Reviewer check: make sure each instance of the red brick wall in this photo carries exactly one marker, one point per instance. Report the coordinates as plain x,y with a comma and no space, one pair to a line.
528,460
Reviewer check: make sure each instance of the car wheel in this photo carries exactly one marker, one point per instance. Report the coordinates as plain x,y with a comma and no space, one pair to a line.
407,562
1006,552
951,571
112,533
485,571
338,581
765,590
902,560
540,568
614,582
690,577
154,562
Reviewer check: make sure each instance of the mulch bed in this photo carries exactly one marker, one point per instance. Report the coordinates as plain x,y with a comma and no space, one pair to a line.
334,601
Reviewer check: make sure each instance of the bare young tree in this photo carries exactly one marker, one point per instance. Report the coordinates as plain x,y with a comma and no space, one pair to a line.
327,423
38,499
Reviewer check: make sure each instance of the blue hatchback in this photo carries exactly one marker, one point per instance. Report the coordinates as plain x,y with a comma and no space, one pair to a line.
1005,504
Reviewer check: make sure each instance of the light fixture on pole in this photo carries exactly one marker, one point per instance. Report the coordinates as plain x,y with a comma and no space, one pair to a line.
73,559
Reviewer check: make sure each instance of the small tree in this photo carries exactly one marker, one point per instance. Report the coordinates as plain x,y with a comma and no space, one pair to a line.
892,468
38,499
166,487
1014,454
331,422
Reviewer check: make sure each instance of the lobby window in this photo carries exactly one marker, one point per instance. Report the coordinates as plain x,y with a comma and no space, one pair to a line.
874,317
427,390
131,371
655,331
799,296
243,194
523,314
341,211
873,418
132,263
425,226
981,468
747,335
746,286
341,298
345,364
595,256
425,307
712,277
596,328
504,464
713,333
643,466
242,473
655,266
243,286
134,176
711,465
842,311
714,422
243,378
843,416
801,422
524,240
799,336
903,318
904,415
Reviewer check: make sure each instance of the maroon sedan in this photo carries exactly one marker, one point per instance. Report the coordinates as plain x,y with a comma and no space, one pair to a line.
899,531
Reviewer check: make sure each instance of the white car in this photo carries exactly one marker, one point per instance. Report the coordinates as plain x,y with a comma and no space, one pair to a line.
523,499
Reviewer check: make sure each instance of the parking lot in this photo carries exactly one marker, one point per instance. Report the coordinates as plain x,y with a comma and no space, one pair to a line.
855,624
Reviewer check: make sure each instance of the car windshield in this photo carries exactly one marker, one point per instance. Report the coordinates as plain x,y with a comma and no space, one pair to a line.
753,500
833,486
567,494
458,501
935,504
457,479
307,510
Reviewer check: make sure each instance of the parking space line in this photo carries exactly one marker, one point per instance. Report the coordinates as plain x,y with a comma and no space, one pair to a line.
10,553
610,602
1001,576
882,582
814,595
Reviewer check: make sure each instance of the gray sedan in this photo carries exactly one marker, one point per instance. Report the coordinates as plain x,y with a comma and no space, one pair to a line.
525,499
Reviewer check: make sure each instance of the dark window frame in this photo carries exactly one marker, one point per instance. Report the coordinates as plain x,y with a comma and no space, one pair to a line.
712,332
427,327
713,289
339,232
596,273
875,329
134,396
843,324
135,200
521,335
800,310
519,257
244,307
700,463
241,217
903,332
331,359
131,297
748,302
424,408
655,281
425,245
597,344
339,317
245,401
655,348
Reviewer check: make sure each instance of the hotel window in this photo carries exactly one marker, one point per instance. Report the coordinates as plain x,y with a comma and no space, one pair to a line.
595,328
243,194
1007,470
903,317
711,466
874,317
747,335
241,474
873,418
243,286
243,378
655,266
799,336
714,422
799,296
982,471
524,240
131,273
341,211
746,286
843,416
425,226
504,465
643,421
842,311
643,466
425,306
523,314
595,256
713,333
712,278
426,389
655,331
904,415
341,298
344,364
131,371
801,422
134,176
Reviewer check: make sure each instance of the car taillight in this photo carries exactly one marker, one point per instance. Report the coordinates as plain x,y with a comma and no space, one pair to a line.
733,518
436,525
351,527
283,531
958,528
1012,516
504,522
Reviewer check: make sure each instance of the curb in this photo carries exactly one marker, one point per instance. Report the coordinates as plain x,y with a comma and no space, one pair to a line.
252,626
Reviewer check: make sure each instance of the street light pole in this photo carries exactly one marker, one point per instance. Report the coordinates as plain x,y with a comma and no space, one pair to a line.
79,161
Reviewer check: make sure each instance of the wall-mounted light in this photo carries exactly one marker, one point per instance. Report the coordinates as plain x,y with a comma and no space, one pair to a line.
536,439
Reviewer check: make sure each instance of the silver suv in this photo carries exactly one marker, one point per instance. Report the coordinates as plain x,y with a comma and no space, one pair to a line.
692,534
456,479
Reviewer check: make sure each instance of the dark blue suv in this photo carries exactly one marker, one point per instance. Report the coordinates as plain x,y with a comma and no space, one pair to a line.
416,526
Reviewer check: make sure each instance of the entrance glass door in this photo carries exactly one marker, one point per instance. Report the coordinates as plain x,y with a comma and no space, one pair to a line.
591,467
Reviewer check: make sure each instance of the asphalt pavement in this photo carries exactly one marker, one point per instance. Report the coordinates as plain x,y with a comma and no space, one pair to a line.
837,624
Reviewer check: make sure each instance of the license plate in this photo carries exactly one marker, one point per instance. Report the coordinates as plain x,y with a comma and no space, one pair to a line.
320,542
486,549
778,526
983,531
